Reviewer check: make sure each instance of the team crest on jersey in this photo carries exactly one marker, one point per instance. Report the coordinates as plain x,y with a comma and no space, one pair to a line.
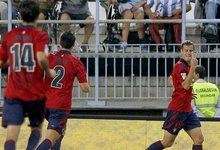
183,76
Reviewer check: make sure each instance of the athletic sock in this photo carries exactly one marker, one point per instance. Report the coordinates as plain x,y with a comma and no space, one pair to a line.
197,147
9,145
156,146
33,139
45,145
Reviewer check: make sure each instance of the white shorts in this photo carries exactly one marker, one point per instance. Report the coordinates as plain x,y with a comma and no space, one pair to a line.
127,6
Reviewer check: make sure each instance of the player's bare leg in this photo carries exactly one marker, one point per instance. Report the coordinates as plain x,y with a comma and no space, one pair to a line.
197,138
12,136
65,27
88,30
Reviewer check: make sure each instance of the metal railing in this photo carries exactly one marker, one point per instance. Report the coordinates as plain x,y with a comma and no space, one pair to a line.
132,75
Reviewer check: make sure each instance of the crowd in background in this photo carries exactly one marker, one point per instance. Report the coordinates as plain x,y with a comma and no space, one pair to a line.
129,9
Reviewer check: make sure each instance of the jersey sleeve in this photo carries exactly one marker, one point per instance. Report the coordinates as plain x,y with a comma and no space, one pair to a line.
81,72
3,50
41,42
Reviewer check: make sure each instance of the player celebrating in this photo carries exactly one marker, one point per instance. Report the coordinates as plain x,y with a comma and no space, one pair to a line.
180,114
59,90
23,48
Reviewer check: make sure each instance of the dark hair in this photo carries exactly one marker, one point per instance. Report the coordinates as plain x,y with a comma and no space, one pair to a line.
201,71
29,10
67,40
188,43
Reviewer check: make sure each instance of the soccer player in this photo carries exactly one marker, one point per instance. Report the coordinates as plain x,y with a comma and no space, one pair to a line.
23,49
180,114
59,90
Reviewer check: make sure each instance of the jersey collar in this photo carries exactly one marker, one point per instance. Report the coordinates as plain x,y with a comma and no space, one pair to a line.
27,26
64,52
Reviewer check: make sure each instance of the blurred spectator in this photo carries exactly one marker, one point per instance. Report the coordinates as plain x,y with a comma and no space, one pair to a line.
3,10
128,11
3,16
165,10
15,12
45,12
207,102
207,9
77,10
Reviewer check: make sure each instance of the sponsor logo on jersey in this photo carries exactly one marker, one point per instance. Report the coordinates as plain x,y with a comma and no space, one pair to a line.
183,76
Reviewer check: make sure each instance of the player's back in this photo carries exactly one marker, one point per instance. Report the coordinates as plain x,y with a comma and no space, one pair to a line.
59,89
26,77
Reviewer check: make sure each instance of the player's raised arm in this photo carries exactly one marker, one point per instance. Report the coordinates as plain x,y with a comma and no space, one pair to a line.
189,54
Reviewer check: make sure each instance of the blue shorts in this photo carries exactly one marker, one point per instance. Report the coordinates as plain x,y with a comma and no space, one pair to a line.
57,120
175,121
14,112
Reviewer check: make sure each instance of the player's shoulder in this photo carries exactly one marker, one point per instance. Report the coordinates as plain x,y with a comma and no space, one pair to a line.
40,33
13,31
181,64
11,34
178,64
77,59
179,67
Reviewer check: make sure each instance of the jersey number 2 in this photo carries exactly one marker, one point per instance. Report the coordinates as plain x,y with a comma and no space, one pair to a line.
60,70
23,57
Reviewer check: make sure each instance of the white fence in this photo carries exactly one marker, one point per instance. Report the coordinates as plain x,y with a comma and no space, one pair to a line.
132,75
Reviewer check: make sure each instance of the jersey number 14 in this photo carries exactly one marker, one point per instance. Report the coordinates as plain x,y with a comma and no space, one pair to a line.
23,56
